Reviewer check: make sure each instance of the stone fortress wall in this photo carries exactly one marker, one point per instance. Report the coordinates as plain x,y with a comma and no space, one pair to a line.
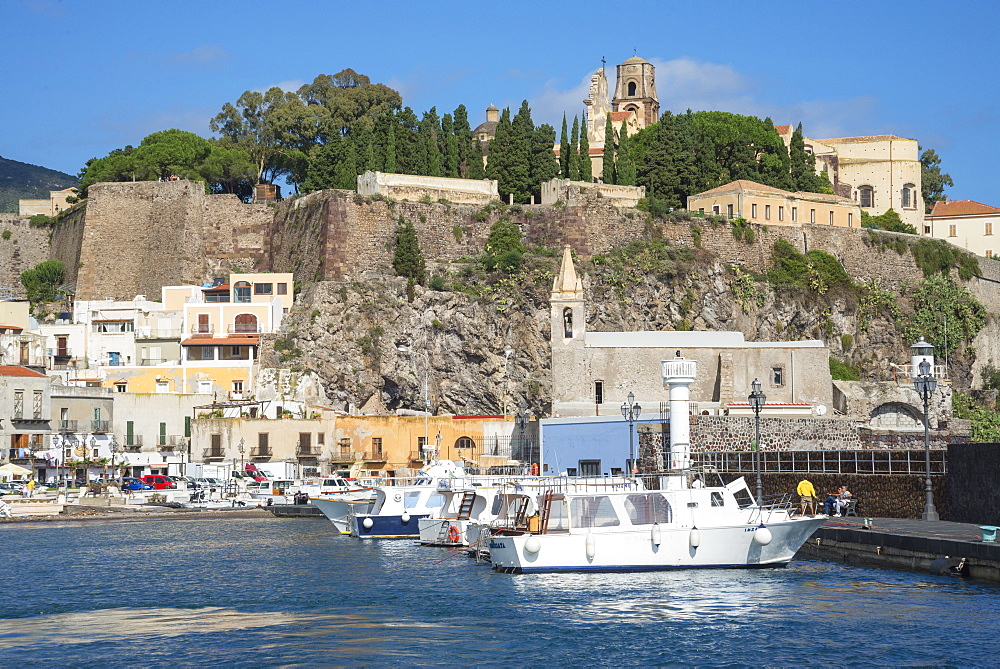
21,250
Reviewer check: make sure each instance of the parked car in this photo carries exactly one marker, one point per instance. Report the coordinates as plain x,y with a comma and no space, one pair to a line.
132,483
158,481
10,488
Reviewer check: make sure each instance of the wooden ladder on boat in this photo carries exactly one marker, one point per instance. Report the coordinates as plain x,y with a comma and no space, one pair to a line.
521,513
545,511
465,508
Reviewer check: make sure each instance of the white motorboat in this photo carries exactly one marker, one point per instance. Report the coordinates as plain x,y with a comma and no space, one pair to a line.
631,530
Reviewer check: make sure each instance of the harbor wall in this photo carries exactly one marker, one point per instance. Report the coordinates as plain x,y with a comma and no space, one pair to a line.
974,483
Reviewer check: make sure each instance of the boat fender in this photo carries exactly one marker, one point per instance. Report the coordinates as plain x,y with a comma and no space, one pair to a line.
654,534
453,534
367,523
694,538
405,518
762,535
591,545
532,545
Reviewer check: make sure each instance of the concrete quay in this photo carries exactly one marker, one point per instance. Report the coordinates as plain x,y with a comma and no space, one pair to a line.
897,543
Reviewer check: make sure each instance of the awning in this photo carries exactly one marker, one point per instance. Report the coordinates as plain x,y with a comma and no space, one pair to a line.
238,340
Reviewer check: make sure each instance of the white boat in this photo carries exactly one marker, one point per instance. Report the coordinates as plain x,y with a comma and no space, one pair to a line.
341,508
632,530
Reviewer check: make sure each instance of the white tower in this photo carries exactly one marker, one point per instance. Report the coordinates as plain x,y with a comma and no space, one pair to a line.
918,353
678,375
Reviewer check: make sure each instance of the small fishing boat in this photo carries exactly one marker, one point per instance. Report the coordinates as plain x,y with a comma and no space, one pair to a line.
668,528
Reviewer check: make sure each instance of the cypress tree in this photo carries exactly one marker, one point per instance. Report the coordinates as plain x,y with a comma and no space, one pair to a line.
626,164
322,170
544,166
586,164
574,151
347,169
407,259
463,137
499,159
608,169
519,167
564,150
476,169
429,127
803,165
411,156
389,159
450,158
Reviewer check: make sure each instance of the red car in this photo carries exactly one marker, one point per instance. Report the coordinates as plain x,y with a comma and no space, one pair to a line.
158,482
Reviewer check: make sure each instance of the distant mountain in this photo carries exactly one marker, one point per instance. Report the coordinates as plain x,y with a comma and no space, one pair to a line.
20,180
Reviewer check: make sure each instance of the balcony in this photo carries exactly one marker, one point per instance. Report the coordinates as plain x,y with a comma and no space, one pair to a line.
67,425
416,456
242,328
174,442
344,455
209,454
133,444
154,333
375,456
260,453
200,329
100,426
149,362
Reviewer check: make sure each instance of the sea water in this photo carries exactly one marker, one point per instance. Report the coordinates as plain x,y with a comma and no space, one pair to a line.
286,592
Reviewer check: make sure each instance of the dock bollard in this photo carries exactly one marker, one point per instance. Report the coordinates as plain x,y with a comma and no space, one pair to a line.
989,533
869,524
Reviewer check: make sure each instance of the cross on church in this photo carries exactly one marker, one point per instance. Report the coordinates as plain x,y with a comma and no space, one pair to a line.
603,62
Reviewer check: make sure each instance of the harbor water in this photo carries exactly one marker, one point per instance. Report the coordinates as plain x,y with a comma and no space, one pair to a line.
275,592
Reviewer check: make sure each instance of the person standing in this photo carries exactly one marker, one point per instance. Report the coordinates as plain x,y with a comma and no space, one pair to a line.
31,487
697,482
807,496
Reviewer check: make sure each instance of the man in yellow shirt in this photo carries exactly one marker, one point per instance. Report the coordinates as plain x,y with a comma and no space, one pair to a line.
807,496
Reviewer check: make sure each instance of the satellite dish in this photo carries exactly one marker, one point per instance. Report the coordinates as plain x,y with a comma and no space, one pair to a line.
819,409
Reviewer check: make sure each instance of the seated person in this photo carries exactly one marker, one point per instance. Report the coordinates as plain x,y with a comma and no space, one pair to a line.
831,501
842,500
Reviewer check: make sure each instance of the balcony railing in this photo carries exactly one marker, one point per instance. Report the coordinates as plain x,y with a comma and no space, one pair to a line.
306,451
212,454
243,329
202,329
67,425
344,455
163,333
100,426
374,456
133,444
416,456
260,452
147,362
173,442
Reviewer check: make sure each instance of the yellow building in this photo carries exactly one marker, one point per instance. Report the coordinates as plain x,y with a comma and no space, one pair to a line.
766,205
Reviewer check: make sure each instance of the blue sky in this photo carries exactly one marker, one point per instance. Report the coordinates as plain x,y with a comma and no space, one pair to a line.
82,77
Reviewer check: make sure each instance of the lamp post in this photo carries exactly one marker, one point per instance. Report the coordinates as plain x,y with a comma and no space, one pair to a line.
757,400
631,411
240,449
87,458
521,421
925,384
113,447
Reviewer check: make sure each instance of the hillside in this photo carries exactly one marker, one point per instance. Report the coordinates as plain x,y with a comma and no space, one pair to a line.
20,180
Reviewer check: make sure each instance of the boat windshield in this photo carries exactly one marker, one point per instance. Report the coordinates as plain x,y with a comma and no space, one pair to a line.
592,511
648,509
411,500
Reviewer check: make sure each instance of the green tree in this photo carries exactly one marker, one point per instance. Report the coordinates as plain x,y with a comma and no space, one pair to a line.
586,164
890,221
41,284
544,165
625,169
504,249
608,166
429,129
410,156
116,166
803,166
498,162
933,181
347,100
574,151
228,170
564,150
476,169
945,313
248,125
322,172
450,158
407,258
464,142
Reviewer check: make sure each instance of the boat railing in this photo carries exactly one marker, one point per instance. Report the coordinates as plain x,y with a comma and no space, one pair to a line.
769,505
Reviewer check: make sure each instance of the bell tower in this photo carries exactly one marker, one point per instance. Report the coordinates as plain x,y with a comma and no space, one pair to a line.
636,91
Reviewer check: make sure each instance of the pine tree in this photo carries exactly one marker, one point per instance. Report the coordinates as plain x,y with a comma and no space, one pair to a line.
574,151
608,169
389,159
519,167
347,169
411,155
322,171
803,165
586,164
450,154
407,259
626,164
564,150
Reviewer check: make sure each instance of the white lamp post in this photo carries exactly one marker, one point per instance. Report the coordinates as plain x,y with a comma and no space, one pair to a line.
925,384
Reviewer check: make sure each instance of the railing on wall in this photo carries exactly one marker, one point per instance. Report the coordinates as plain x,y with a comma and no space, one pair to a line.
825,462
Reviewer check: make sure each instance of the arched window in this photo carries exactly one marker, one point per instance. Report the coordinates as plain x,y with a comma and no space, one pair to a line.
465,442
631,89
908,196
568,323
895,415
246,323
241,292
866,196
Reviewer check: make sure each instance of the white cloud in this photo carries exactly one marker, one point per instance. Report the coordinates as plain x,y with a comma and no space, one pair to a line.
206,54
288,85
550,105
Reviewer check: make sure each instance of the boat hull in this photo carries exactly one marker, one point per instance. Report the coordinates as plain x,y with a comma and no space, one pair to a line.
635,550
438,532
386,527
340,511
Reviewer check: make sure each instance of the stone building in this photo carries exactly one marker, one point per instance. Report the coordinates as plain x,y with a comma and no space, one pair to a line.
26,412
592,372
416,188
879,172
50,206
772,206
965,223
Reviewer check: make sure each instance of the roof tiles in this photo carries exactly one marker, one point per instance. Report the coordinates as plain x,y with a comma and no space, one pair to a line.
962,208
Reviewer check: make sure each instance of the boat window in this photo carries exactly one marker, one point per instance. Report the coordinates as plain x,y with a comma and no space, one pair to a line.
717,499
435,501
497,505
410,499
593,511
648,509
557,515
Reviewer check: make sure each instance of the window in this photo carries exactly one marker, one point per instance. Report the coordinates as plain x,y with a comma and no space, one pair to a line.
163,434
241,291
36,404
567,323
216,446
867,196
909,196
187,426
631,89
812,215
648,509
592,511
729,210
421,442
113,326
305,443
777,376
952,231
282,289
989,253
204,386
598,392
831,218
465,442
989,228
262,288
795,214
377,446
590,467
716,209
245,323
129,433
718,499
850,220
767,212
162,387
121,387
18,404
237,387
781,213
927,229
753,211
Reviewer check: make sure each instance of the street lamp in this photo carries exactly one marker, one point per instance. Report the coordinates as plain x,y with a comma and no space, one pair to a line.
113,447
521,421
757,400
925,384
631,411
240,449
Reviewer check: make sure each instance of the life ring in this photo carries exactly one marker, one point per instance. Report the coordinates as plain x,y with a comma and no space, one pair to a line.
453,535
534,469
